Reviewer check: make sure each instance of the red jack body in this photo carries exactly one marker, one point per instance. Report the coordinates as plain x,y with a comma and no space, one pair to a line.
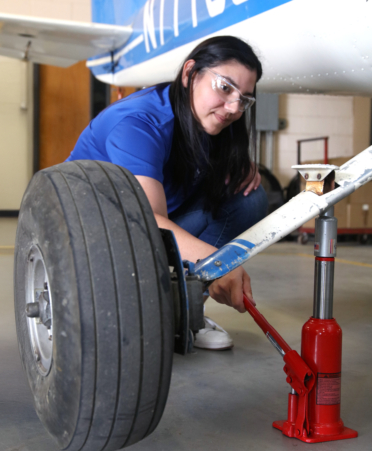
321,350
315,377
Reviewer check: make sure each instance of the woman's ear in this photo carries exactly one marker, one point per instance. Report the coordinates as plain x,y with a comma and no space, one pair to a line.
186,71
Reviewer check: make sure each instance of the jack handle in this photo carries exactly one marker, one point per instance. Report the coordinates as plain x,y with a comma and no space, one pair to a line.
299,375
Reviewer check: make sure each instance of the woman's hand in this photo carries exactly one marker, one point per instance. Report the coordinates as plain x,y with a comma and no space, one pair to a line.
253,185
229,289
249,184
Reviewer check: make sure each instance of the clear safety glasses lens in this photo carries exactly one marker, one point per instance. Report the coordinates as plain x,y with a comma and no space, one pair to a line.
229,93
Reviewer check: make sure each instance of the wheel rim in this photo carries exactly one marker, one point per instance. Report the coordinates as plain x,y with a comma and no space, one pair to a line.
39,311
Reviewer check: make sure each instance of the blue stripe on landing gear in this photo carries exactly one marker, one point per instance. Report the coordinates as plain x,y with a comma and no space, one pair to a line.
224,260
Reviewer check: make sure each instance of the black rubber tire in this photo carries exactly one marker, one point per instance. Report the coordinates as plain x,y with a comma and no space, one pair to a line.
113,331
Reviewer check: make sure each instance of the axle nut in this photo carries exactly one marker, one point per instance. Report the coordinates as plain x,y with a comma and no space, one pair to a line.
33,310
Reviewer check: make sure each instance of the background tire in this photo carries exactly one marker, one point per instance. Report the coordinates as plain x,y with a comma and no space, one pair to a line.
272,188
87,228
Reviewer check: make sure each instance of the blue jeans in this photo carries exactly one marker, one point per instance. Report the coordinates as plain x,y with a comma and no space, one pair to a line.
235,216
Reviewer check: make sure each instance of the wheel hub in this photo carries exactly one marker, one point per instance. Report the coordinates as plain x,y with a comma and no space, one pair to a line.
39,311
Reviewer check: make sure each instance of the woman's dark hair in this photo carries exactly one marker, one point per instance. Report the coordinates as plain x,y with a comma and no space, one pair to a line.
227,153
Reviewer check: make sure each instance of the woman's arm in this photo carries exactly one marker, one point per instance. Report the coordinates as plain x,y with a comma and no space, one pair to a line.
191,248
226,290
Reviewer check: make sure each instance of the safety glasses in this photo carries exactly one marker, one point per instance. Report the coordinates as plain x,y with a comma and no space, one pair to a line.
229,93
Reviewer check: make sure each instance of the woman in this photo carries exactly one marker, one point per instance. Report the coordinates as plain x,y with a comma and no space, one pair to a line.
187,144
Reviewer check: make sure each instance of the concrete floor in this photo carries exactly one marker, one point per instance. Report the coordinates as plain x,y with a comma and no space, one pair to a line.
227,400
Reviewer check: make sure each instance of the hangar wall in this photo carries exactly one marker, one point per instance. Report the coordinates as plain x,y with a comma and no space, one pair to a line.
16,122
345,119
15,131
310,116
79,10
362,124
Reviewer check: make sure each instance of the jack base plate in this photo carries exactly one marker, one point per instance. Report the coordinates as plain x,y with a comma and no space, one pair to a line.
346,433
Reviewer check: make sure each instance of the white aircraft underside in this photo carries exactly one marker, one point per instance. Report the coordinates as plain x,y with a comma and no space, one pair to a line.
305,46
309,46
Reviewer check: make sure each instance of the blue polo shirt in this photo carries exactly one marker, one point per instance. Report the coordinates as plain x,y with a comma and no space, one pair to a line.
136,133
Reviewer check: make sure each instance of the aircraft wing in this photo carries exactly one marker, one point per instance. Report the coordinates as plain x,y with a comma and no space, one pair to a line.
57,42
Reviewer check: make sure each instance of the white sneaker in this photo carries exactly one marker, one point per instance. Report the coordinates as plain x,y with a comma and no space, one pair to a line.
212,336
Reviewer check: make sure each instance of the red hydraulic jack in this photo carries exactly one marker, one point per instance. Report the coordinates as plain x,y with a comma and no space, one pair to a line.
315,379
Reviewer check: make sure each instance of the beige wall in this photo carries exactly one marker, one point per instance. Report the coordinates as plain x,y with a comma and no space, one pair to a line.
362,123
16,138
79,10
346,120
15,132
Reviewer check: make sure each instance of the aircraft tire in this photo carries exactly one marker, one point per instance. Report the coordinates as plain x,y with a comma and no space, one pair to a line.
88,246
